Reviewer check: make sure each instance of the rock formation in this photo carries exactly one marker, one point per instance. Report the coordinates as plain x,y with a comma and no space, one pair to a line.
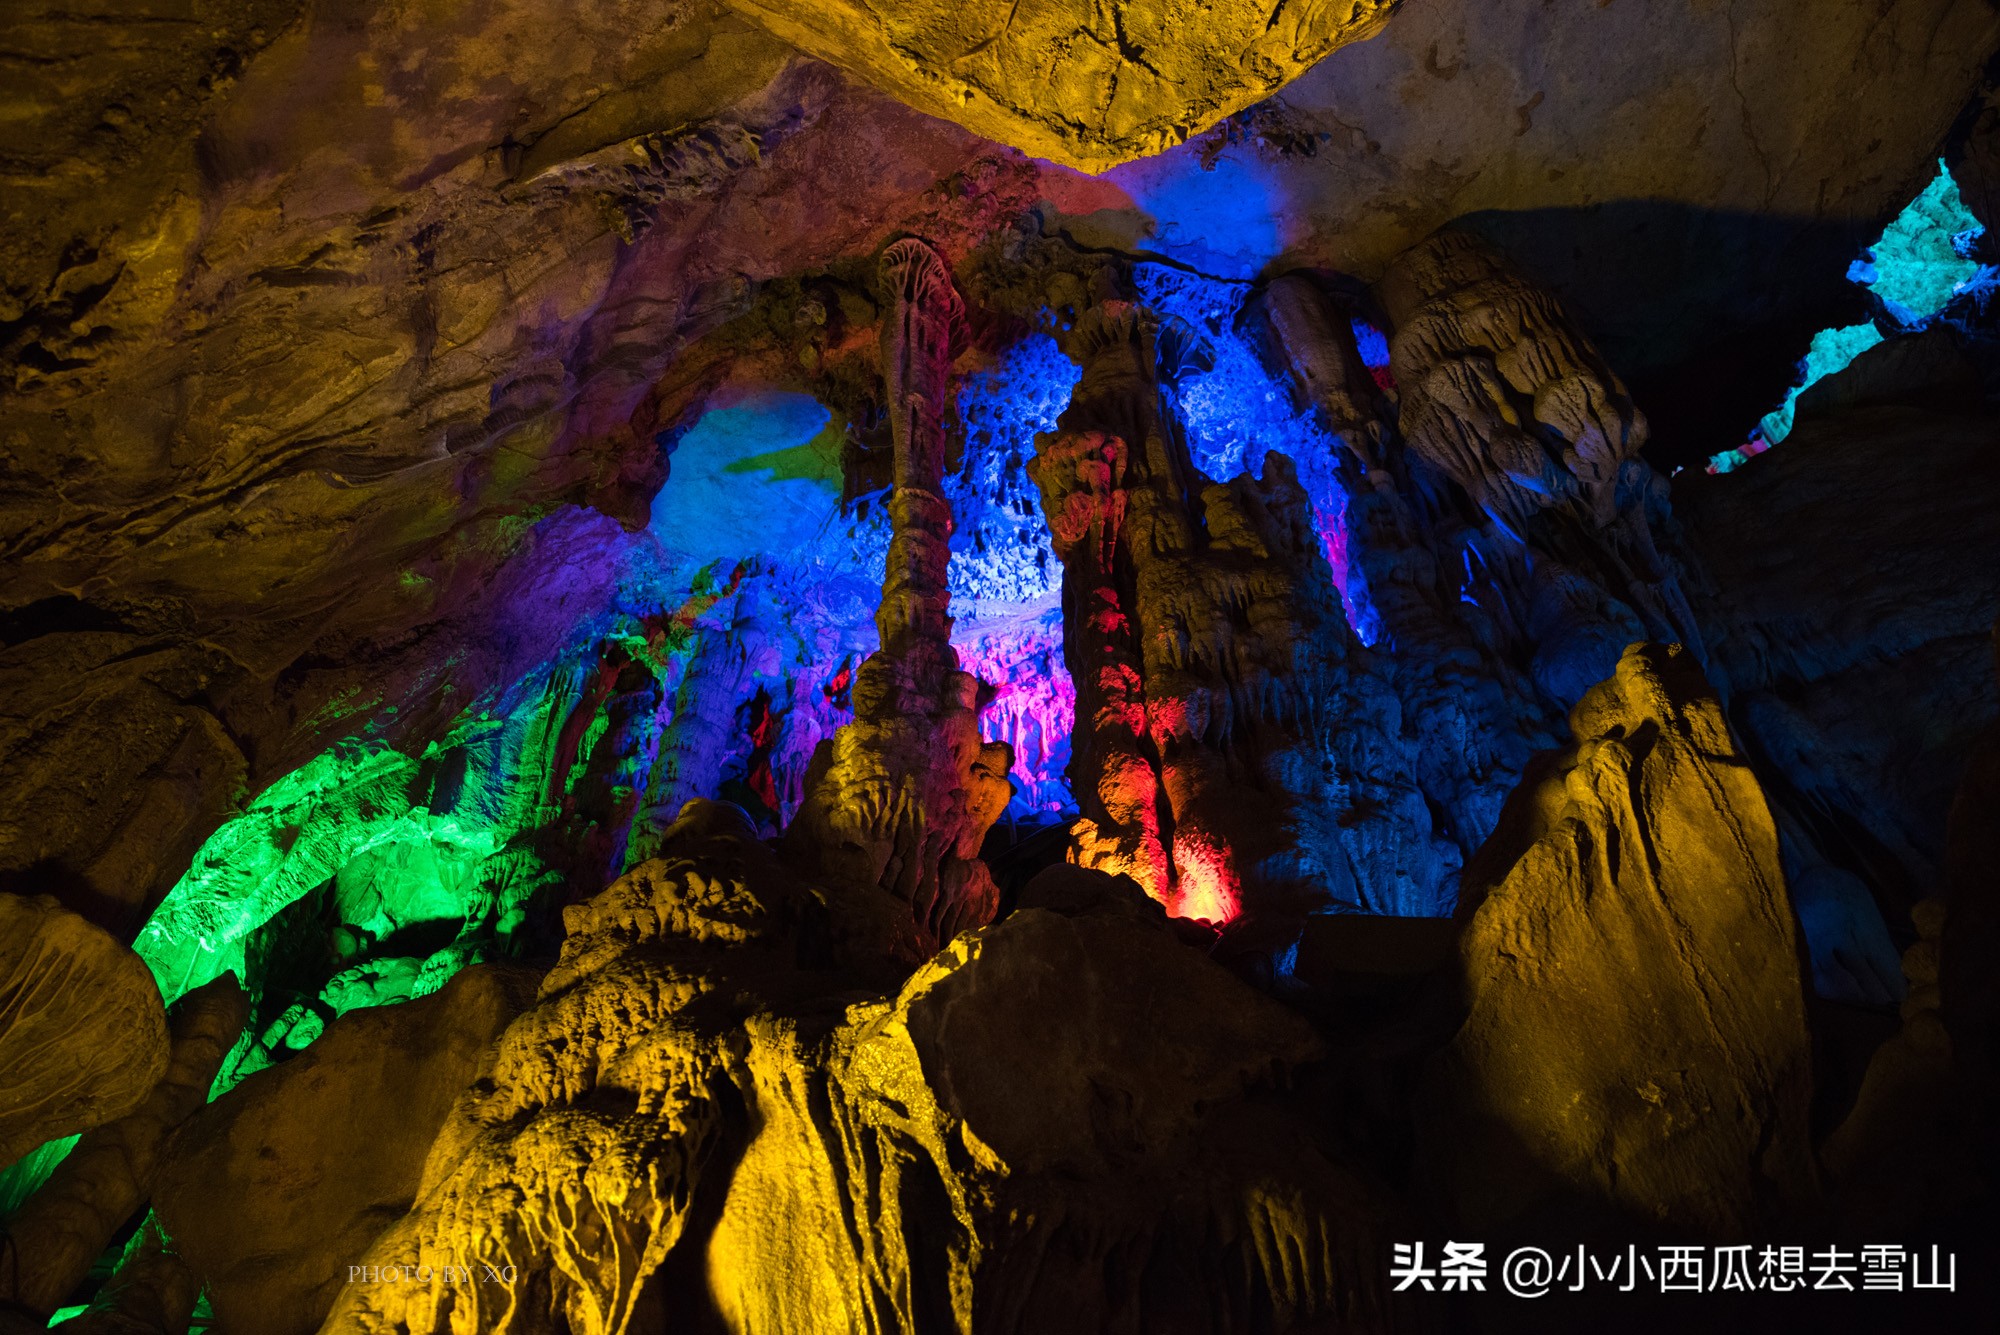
721,694
270,1192
1228,757
1502,395
150,1293
699,1115
83,1038
55,1237
901,798
1088,86
1635,1035
1462,667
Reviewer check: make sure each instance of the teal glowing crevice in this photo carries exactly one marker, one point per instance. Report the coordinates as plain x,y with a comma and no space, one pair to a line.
1831,350
1918,268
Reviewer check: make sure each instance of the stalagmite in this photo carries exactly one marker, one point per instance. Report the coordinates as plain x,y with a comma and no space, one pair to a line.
998,667
1063,1121
1635,1035
901,798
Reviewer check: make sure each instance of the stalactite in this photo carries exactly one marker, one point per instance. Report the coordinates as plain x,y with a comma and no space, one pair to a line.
1204,633
1503,394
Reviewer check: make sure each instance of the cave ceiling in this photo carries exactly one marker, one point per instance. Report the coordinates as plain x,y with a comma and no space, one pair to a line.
305,306
876,663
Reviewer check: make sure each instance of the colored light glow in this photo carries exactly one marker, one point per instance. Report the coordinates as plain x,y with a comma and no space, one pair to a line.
1215,211
1205,888
22,1178
1239,411
396,846
1373,346
1019,653
1000,550
763,472
1918,268
1831,350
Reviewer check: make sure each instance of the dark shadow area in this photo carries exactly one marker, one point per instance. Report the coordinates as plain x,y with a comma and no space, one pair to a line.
1705,313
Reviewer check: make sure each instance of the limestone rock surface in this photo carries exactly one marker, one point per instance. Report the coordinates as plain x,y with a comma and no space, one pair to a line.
1693,179
83,1036
1086,85
112,767
96,1190
1635,1037
1863,707
1205,636
1504,395
270,1192
707,1113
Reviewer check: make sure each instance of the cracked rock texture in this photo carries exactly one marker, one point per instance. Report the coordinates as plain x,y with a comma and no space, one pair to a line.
347,353
1086,85
303,330
1692,178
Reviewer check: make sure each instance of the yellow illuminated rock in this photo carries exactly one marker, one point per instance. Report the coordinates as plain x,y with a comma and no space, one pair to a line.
83,1036
1089,85
1636,1032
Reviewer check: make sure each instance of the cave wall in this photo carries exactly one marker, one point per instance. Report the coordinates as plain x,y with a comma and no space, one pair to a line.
440,460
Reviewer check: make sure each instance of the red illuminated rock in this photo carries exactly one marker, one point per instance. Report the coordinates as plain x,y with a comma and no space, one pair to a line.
1229,756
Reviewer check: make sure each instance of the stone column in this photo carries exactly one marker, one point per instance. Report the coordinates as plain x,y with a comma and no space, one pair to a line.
902,798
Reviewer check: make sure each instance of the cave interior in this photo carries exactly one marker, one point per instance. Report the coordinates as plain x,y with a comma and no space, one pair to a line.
794,666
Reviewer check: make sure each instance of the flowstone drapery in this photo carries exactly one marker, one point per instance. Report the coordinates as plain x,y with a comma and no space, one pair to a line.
1503,395
1234,753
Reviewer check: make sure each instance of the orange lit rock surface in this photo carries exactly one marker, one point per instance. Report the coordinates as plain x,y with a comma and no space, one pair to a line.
83,1036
